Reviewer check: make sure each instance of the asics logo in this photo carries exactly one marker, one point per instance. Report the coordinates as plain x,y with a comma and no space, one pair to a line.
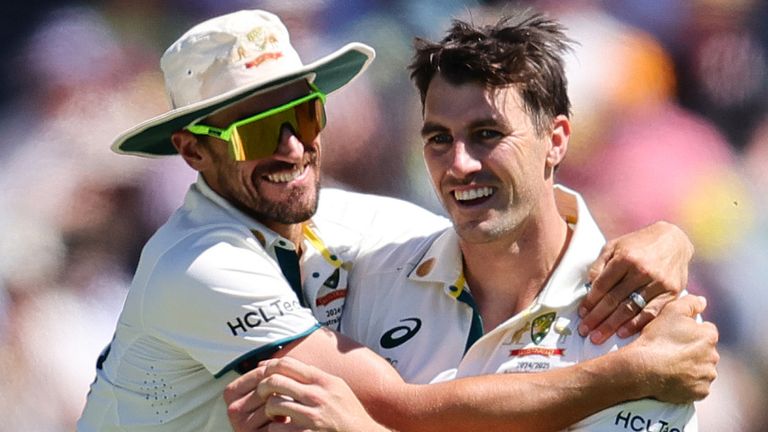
400,334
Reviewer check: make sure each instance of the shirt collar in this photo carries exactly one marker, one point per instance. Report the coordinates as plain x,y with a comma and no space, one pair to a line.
584,247
265,236
443,263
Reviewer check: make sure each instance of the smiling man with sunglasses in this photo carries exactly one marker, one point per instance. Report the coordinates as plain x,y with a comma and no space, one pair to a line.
248,268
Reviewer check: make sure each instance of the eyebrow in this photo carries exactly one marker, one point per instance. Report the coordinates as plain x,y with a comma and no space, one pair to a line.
432,127
485,123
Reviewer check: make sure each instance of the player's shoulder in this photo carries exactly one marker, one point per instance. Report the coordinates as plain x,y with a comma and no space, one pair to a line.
397,257
376,214
185,230
186,242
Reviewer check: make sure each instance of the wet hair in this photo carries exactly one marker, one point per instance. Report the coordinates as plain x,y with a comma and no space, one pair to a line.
524,49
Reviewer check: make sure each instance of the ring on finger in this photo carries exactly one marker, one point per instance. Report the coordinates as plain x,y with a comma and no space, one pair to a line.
638,300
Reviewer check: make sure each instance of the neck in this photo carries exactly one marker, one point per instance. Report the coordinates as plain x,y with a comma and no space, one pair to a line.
292,232
507,274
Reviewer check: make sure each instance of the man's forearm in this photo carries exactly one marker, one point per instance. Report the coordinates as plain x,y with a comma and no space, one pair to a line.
543,401
547,401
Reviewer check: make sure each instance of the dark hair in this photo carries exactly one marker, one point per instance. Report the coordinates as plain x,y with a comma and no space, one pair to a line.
524,49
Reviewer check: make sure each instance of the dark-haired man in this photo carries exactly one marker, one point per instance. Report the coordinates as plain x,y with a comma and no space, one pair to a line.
499,292
245,270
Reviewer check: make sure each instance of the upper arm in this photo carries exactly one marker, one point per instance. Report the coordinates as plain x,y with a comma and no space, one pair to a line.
373,380
644,414
222,301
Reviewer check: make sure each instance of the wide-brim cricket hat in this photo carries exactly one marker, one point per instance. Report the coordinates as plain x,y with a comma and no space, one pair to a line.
226,59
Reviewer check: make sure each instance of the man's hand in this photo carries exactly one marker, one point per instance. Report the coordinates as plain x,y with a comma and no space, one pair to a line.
676,356
286,395
311,399
652,262
245,408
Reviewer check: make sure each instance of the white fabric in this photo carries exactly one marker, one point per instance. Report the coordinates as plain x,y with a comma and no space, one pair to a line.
205,293
405,294
354,225
208,292
227,58
225,53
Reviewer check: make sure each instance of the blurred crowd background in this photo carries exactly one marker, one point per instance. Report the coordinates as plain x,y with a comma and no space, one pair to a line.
670,122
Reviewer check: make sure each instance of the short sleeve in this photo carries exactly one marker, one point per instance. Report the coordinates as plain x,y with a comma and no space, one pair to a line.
641,415
223,300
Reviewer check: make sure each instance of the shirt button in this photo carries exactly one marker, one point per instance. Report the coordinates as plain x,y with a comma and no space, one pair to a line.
315,275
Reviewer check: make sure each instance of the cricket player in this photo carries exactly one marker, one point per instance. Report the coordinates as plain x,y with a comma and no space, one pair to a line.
498,292
247,269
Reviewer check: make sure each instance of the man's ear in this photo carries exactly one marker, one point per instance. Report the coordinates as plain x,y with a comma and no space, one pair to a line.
561,134
191,149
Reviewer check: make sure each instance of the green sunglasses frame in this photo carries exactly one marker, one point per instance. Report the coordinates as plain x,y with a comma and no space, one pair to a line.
226,133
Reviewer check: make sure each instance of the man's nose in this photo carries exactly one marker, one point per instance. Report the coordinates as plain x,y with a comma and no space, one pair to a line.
463,163
289,147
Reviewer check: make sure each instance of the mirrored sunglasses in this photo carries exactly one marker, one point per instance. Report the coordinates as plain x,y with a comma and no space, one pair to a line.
258,136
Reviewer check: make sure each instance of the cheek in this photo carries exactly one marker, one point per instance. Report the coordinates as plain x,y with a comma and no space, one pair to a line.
433,169
247,174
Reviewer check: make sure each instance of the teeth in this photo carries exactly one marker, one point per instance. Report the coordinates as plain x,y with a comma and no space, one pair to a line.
471,194
285,176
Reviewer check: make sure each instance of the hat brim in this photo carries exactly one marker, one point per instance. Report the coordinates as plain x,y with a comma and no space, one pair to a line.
152,138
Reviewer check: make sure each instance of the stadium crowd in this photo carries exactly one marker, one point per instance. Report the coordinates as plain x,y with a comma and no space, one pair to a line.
674,127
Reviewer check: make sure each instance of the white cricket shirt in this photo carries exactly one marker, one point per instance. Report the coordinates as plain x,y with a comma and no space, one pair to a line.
411,304
209,294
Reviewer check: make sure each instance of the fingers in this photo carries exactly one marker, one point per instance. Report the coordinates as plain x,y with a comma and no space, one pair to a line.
652,261
292,368
690,305
617,277
610,299
247,420
281,384
282,409
623,320
601,278
614,308
244,406
243,385
245,397
645,316
288,377
285,427
289,399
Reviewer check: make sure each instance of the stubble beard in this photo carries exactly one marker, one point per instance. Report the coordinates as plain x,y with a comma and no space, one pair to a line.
298,206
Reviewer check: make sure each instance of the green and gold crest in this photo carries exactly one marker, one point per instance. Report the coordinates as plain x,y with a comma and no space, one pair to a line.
541,326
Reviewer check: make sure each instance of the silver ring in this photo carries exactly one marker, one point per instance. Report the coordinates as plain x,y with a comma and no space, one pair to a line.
638,300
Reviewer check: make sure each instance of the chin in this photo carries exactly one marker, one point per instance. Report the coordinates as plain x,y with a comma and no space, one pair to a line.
475,232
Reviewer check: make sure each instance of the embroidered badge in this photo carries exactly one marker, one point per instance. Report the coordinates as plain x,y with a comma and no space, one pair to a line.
264,43
546,352
333,281
541,325
518,334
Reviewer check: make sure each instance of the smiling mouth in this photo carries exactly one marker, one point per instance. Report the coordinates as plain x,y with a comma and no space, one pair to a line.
473,196
286,176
